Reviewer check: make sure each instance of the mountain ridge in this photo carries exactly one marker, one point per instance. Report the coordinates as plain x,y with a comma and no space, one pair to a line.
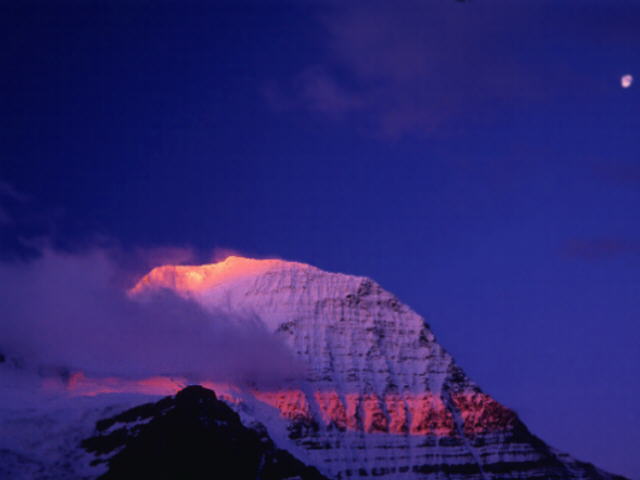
190,435
379,395
378,381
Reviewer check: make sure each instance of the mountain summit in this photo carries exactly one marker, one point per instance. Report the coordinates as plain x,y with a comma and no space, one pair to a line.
381,397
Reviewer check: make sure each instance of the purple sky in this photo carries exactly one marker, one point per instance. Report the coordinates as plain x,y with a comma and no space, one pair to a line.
479,159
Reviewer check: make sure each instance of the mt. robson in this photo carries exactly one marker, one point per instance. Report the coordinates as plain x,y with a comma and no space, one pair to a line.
378,396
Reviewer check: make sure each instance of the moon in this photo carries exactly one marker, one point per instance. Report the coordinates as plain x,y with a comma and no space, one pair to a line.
626,81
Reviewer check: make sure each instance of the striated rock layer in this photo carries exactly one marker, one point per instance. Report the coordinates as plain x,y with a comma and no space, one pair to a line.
381,397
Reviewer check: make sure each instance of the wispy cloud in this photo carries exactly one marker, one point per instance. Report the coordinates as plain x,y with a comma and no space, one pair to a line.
406,69
69,311
416,67
314,89
21,223
8,191
601,248
618,172
9,195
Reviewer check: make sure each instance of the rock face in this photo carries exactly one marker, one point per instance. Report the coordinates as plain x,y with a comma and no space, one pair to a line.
192,435
381,397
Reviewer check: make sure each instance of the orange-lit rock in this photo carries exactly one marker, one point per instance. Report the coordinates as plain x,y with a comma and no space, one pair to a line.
375,420
429,415
292,404
397,413
332,409
352,401
482,414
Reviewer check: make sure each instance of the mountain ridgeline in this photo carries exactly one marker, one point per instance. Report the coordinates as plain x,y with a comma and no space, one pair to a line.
380,398
190,436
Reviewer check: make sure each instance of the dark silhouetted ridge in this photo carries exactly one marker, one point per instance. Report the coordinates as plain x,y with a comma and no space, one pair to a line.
190,436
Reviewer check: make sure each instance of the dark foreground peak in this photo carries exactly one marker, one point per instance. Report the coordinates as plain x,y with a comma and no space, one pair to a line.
190,436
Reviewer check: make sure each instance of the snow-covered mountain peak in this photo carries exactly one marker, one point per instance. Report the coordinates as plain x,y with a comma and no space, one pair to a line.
273,290
379,395
196,278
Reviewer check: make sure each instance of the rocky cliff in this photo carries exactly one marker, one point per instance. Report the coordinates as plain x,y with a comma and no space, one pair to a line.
190,436
380,397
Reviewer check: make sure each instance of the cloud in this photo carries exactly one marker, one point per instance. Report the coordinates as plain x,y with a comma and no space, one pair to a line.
156,256
220,253
10,192
319,91
314,89
67,311
418,67
9,196
21,222
409,68
601,248
618,172
5,217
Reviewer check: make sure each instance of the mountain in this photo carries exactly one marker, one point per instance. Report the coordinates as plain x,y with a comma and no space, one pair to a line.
370,393
380,396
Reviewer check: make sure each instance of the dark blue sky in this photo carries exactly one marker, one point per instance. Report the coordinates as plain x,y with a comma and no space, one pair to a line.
480,159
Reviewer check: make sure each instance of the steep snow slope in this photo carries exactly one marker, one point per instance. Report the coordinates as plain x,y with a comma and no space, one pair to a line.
381,397
41,430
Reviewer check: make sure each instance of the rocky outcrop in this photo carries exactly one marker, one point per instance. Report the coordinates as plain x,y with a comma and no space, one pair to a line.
192,435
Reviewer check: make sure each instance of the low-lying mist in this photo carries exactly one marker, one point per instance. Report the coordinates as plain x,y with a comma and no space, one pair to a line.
69,312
